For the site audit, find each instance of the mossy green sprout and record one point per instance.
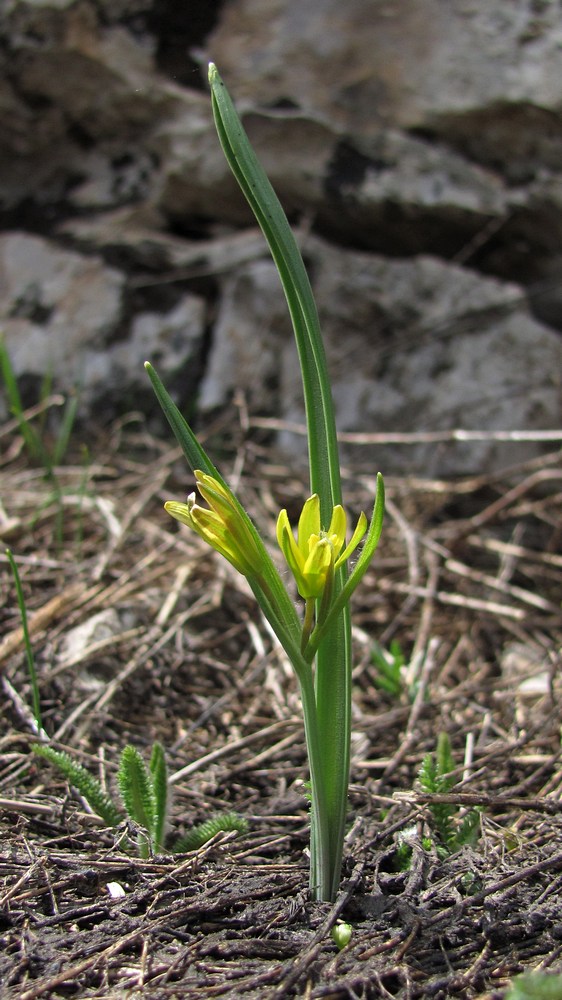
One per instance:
(390, 669)
(536, 986)
(81, 779)
(318, 642)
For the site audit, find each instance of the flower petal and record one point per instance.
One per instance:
(309, 522)
(360, 530)
(317, 567)
(338, 527)
(222, 525)
(181, 511)
(288, 545)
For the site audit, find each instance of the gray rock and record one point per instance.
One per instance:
(98, 77)
(58, 311)
(251, 334)
(171, 341)
(419, 142)
(61, 313)
(413, 345)
(402, 63)
(139, 236)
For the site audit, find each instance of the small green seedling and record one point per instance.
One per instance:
(389, 664)
(144, 792)
(83, 781)
(200, 834)
(341, 934)
(37, 448)
(402, 856)
(436, 779)
(48, 455)
(535, 986)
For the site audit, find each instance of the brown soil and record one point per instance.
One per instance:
(468, 579)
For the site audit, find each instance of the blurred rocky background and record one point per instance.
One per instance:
(416, 146)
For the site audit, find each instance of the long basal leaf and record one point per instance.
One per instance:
(322, 442)
(270, 591)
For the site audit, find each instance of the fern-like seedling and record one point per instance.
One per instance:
(436, 779)
(88, 786)
(144, 791)
(389, 663)
(199, 835)
(137, 792)
(145, 796)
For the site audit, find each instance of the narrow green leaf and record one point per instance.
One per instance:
(83, 781)
(322, 441)
(65, 430)
(269, 589)
(199, 835)
(196, 457)
(137, 792)
(31, 439)
(159, 774)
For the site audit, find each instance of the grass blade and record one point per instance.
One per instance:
(32, 672)
(322, 440)
(31, 439)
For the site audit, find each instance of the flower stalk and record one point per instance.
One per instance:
(220, 524)
(318, 643)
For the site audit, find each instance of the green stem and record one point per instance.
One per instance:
(333, 704)
(332, 689)
(308, 622)
(320, 855)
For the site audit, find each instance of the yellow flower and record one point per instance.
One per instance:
(221, 524)
(316, 553)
